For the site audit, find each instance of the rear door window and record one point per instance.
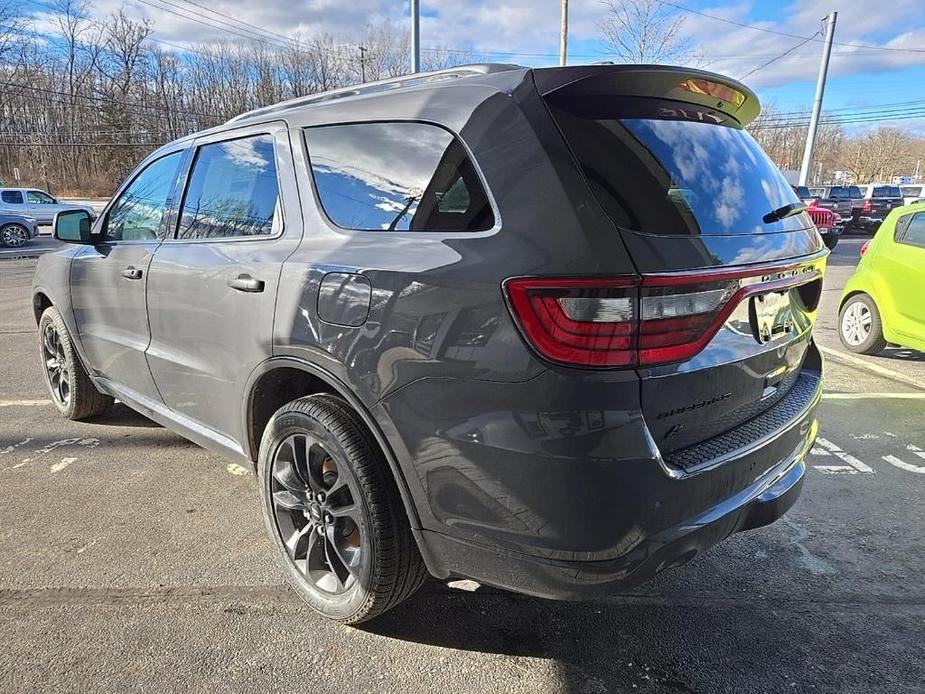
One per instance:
(670, 171)
(232, 191)
(397, 177)
(37, 197)
(11, 197)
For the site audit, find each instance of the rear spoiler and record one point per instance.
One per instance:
(687, 85)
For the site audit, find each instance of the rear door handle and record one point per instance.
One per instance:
(246, 283)
(132, 273)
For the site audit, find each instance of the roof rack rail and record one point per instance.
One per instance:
(378, 86)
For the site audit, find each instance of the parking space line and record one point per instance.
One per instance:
(24, 403)
(869, 366)
(873, 396)
(847, 457)
(902, 465)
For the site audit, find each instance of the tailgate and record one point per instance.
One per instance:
(730, 276)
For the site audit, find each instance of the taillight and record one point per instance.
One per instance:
(864, 247)
(867, 207)
(636, 321)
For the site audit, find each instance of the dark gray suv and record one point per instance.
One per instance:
(548, 329)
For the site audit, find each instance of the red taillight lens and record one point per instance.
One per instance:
(637, 321)
(867, 207)
(864, 247)
(621, 322)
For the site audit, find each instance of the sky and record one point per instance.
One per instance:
(527, 32)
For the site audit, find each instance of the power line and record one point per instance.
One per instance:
(784, 33)
(778, 57)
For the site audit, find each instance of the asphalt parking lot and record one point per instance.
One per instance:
(132, 560)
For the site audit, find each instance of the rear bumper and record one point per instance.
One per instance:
(756, 506)
(573, 499)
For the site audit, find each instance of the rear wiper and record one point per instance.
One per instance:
(784, 212)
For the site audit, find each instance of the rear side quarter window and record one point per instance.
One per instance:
(397, 176)
(913, 233)
(11, 197)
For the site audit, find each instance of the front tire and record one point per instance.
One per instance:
(333, 511)
(830, 242)
(14, 235)
(72, 392)
(860, 328)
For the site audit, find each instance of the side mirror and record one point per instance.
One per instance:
(72, 226)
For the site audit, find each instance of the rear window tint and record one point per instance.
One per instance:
(665, 175)
(397, 177)
(12, 197)
(886, 192)
(845, 192)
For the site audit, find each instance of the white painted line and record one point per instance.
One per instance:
(847, 457)
(908, 467)
(819, 451)
(870, 366)
(873, 396)
(58, 467)
(236, 469)
(24, 403)
(835, 469)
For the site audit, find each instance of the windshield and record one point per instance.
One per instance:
(667, 176)
(845, 192)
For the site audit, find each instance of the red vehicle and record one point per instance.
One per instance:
(828, 223)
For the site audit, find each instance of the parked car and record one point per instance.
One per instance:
(552, 356)
(16, 229)
(36, 203)
(882, 302)
(876, 203)
(912, 194)
(805, 195)
(841, 200)
(828, 224)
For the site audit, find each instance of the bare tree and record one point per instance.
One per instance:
(646, 31)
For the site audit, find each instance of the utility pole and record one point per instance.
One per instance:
(362, 63)
(820, 90)
(415, 36)
(563, 34)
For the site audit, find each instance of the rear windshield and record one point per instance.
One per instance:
(672, 171)
(886, 192)
(846, 192)
(802, 192)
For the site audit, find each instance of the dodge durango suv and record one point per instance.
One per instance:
(547, 329)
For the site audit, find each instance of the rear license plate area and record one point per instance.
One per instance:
(770, 315)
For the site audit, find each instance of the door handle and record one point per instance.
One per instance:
(132, 273)
(246, 283)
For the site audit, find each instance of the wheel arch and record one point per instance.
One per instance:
(40, 303)
(263, 399)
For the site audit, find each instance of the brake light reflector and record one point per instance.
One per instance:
(636, 321)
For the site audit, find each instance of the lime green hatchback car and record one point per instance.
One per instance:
(884, 301)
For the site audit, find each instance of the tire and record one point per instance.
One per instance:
(830, 242)
(317, 461)
(72, 392)
(860, 328)
(14, 235)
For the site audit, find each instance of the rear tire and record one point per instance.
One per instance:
(860, 328)
(72, 392)
(830, 242)
(333, 511)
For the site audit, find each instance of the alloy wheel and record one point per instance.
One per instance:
(317, 517)
(856, 323)
(57, 370)
(14, 236)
